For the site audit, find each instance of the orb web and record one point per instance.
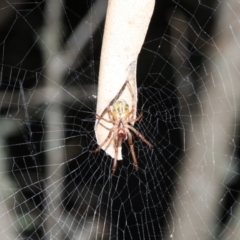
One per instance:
(53, 186)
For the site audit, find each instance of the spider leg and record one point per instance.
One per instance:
(106, 120)
(136, 119)
(139, 135)
(110, 114)
(130, 142)
(114, 167)
(107, 138)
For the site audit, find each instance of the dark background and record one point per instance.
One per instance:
(136, 204)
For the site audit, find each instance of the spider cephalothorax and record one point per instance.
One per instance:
(122, 118)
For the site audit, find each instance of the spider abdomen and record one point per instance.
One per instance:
(121, 134)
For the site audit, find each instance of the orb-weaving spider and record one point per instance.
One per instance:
(121, 118)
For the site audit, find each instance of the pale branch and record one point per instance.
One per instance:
(125, 30)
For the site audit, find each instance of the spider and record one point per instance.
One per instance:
(121, 117)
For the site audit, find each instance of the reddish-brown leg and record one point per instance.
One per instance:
(139, 135)
(136, 119)
(107, 138)
(106, 120)
(114, 167)
(130, 142)
(110, 114)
